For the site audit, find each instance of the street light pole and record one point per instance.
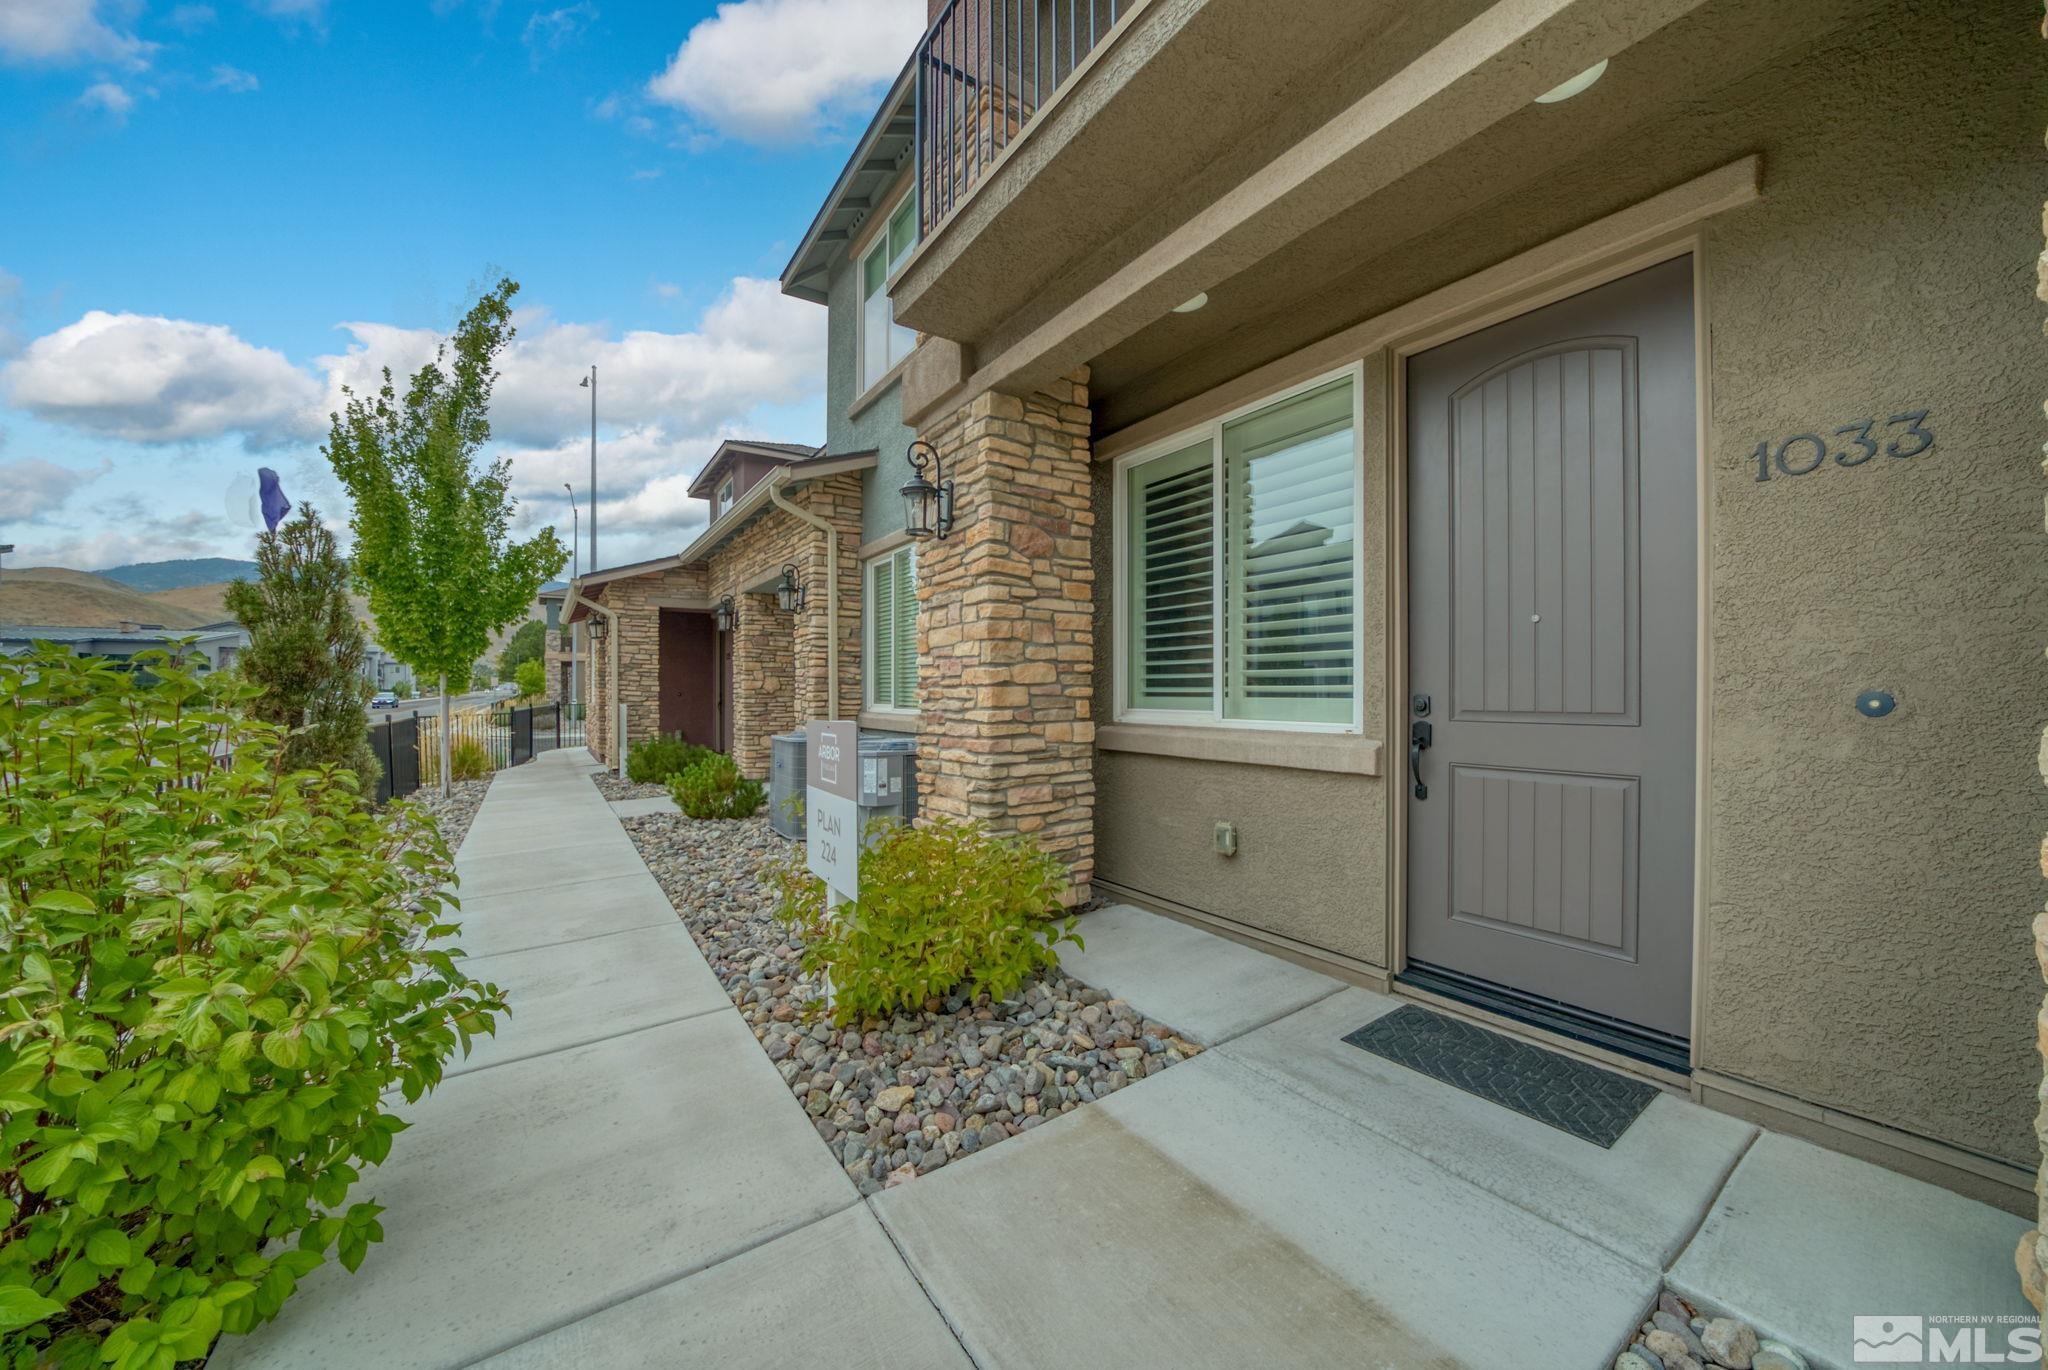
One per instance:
(589, 382)
(575, 662)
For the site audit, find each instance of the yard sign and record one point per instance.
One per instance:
(831, 807)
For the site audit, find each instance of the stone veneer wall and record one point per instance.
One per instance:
(779, 660)
(637, 605)
(1006, 627)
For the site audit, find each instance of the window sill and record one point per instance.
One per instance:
(887, 721)
(881, 387)
(1331, 752)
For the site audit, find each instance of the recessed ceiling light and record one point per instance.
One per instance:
(1578, 85)
(1190, 306)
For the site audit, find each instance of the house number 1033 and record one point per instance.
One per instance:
(1902, 435)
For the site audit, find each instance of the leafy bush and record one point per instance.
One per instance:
(657, 760)
(531, 678)
(712, 787)
(940, 906)
(216, 969)
(469, 759)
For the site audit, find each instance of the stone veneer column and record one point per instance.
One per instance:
(1006, 625)
(764, 696)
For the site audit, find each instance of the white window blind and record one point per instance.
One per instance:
(1288, 476)
(892, 631)
(1172, 601)
(1247, 540)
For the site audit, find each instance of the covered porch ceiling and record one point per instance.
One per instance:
(1386, 125)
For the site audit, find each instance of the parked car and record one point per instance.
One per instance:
(384, 699)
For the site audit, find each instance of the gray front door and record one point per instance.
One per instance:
(1552, 515)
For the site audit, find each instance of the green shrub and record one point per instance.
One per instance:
(712, 787)
(657, 760)
(469, 759)
(215, 973)
(532, 679)
(940, 907)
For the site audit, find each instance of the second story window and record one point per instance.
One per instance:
(883, 341)
(724, 496)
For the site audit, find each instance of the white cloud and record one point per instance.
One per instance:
(307, 11)
(777, 71)
(151, 379)
(232, 79)
(132, 533)
(753, 346)
(551, 30)
(108, 98)
(62, 32)
(31, 488)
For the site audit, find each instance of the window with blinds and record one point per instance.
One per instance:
(891, 602)
(1172, 596)
(1239, 560)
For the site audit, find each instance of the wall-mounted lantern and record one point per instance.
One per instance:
(600, 627)
(789, 591)
(725, 615)
(927, 504)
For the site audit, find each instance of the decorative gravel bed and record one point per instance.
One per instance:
(615, 789)
(897, 1098)
(1676, 1337)
(455, 813)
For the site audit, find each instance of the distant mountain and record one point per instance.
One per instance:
(54, 597)
(176, 575)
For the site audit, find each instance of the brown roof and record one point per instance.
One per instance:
(721, 460)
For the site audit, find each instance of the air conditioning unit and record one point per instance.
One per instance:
(887, 780)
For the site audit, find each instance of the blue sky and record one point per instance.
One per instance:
(211, 215)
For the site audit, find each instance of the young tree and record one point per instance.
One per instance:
(432, 551)
(306, 649)
(532, 679)
(527, 643)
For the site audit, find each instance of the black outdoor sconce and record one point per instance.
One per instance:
(927, 504)
(789, 592)
(725, 614)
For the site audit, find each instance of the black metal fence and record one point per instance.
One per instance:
(984, 69)
(480, 741)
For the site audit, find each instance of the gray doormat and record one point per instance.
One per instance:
(1592, 1104)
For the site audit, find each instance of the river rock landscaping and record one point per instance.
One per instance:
(454, 814)
(1676, 1337)
(893, 1098)
(615, 789)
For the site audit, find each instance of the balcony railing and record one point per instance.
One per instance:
(984, 69)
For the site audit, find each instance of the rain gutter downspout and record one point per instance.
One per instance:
(775, 496)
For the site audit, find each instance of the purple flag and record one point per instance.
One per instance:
(275, 505)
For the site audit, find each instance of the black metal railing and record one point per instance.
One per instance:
(481, 740)
(984, 69)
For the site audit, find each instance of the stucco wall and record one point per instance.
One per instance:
(1311, 858)
(1870, 880)
(879, 425)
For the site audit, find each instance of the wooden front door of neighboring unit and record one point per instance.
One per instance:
(688, 674)
(1552, 535)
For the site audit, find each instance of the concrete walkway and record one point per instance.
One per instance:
(622, 1180)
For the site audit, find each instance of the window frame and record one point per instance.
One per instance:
(869, 624)
(1121, 710)
(863, 383)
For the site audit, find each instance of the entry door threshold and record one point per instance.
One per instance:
(1663, 1050)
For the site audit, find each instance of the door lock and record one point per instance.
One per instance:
(1421, 735)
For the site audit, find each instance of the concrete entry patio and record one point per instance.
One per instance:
(621, 1179)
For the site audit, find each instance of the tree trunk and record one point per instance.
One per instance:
(447, 743)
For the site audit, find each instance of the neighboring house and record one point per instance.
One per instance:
(1553, 538)
(214, 646)
(385, 671)
(700, 643)
(560, 654)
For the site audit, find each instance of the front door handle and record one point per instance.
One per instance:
(1420, 735)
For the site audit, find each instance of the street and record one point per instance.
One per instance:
(431, 704)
